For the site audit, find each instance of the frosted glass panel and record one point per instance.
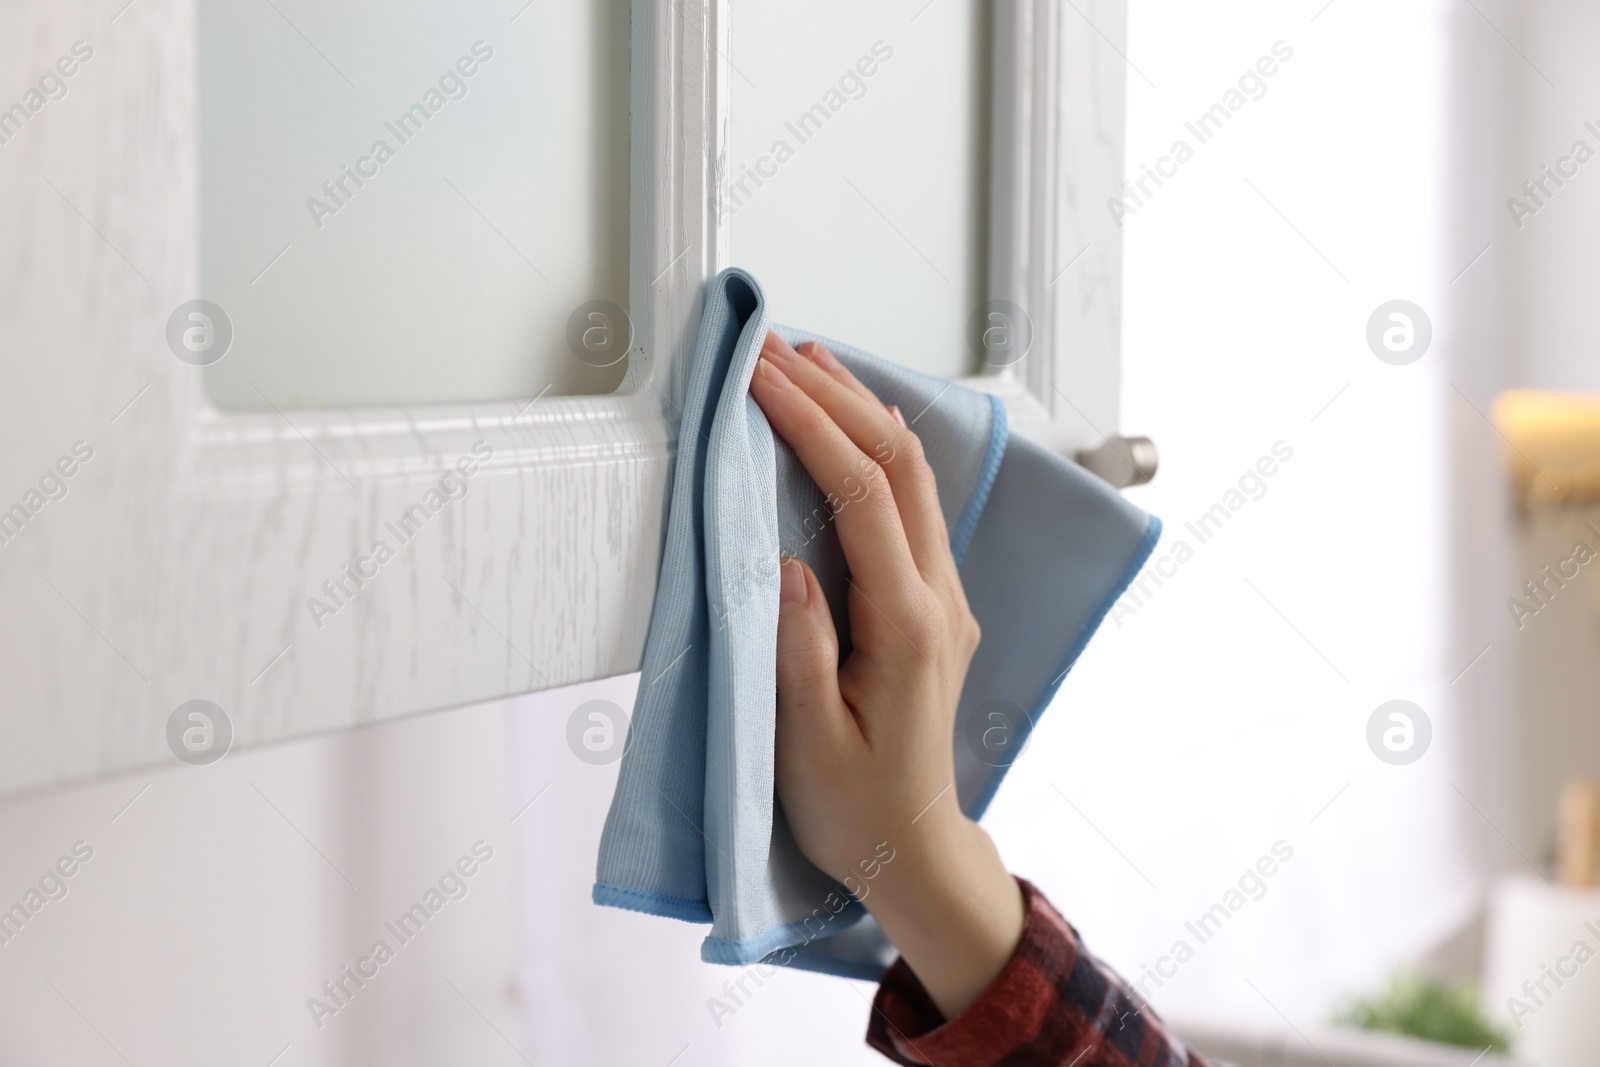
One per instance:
(405, 202)
(858, 181)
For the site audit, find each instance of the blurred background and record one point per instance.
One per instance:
(1398, 152)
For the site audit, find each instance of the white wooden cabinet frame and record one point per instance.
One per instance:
(184, 567)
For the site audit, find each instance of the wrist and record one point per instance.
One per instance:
(951, 908)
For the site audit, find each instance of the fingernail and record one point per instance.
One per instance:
(777, 349)
(894, 409)
(820, 356)
(770, 372)
(792, 593)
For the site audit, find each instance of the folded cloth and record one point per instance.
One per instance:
(695, 831)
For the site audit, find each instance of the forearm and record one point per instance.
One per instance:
(951, 909)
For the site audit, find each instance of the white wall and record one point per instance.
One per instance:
(1555, 318)
(1555, 91)
(1228, 710)
(207, 917)
(220, 901)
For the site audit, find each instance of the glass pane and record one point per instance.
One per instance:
(406, 202)
(859, 172)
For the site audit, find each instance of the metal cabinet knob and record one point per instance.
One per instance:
(1122, 461)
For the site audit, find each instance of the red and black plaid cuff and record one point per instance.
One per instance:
(1053, 1005)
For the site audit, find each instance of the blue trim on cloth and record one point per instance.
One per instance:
(793, 935)
(999, 435)
(1136, 562)
(616, 896)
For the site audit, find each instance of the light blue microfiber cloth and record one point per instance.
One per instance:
(695, 831)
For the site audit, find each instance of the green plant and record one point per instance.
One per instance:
(1422, 1006)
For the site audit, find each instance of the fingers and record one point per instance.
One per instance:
(818, 354)
(812, 717)
(881, 434)
(870, 530)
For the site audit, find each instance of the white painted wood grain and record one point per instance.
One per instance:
(1056, 151)
(180, 562)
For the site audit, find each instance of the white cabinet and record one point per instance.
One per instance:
(323, 549)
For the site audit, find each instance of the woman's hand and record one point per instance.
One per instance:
(865, 766)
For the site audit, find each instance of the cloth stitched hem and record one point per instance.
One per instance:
(999, 435)
(792, 935)
(1141, 553)
(617, 896)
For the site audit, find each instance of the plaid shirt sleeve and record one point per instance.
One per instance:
(1054, 1005)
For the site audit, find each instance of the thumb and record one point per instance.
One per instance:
(808, 654)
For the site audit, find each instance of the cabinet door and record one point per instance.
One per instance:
(286, 456)
(930, 181)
